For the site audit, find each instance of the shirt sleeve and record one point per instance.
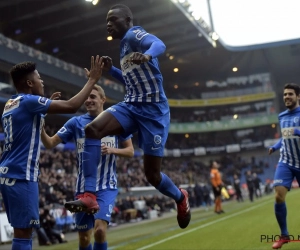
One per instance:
(37, 104)
(67, 132)
(117, 74)
(277, 145)
(125, 137)
(153, 46)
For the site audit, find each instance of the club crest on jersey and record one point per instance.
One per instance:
(157, 139)
(296, 119)
(124, 49)
(43, 100)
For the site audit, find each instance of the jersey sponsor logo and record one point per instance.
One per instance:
(126, 65)
(277, 181)
(109, 141)
(80, 145)
(157, 139)
(7, 181)
(43, 100)
(288, 133)
(12, 104)
(139, 34)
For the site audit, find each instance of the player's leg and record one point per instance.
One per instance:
(24, 194)
(106, 199)
(217, 195)
(153, 132)
(282, 182)
(84, 224)
(107, 123)
(85, 239)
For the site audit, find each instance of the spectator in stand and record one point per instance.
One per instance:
(237, 188)
(257, 182)
(47, 222)
(198, 195)
(250, 184)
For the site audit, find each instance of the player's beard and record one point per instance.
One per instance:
(292, 105)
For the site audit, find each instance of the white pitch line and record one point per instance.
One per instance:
(204, 225)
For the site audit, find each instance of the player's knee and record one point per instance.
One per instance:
(153, 179)
(84, 240)
(279, 196)
(100, 234)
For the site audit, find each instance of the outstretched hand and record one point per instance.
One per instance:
(96, 68)
(107, 63)
(139, 58)
(271, 151)
(55, 96)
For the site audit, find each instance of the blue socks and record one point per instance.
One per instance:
(89, 247)
(168, 188)
(24, 244)
(281, 213)
(90, 160)
(100, 246)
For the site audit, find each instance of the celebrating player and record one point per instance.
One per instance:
(145, 109)
(289, 161)
(106, 190)
(22, 121)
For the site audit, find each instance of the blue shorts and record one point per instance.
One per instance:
(21, 201)
(150, 120)
(106, 200)
(285, 174)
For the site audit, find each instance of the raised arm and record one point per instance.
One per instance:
(275, 147)
(73, 104)
(50, 142)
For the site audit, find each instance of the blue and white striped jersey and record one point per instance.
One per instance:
(22, 121)
(73, 129)
(290, 144)
(144, 82)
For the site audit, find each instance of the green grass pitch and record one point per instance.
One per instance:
(240, 228)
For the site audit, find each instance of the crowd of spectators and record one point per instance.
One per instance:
(221, 138)
(233, 86)
(222, 112)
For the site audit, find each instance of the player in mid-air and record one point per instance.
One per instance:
(22, 121)
(289, 162)
(145, 109)
(106, 178)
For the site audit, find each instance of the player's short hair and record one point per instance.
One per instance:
(100, 91)
(125, 10)
(293, 86)
(20, 71)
